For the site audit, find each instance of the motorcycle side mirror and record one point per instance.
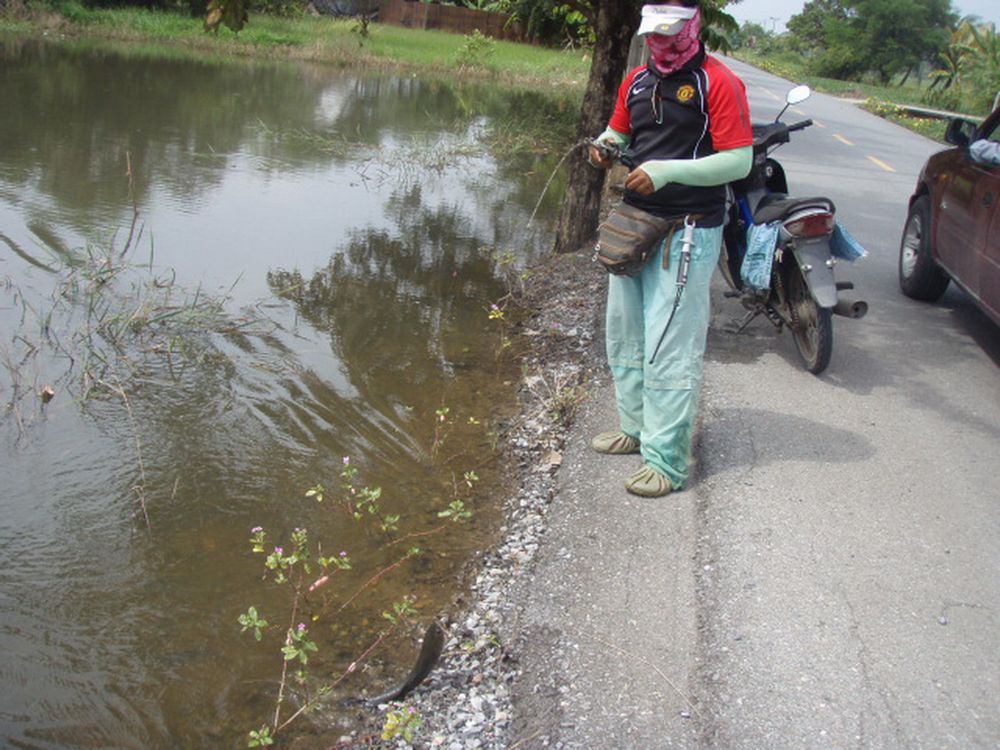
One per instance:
(794, 96)
(798, 94)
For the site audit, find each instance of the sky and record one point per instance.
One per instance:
(774, 13)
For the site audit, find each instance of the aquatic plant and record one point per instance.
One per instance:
(109, 320)
(299, 566)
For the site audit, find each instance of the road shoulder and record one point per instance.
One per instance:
(606, 630)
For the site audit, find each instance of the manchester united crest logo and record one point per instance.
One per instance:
(685, 93)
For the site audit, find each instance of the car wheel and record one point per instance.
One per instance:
(919, 276)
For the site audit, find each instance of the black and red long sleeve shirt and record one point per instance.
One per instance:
(694, 112)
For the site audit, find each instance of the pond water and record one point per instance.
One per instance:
(233, 276)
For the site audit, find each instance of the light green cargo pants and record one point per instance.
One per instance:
(658, 403)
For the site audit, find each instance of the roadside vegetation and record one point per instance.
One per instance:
(895, 59)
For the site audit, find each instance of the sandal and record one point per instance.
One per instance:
(616, 443)
(648, 482)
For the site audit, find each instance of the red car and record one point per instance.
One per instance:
(952, 232)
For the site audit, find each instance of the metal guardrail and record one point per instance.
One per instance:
(940, 114)
(913, 109)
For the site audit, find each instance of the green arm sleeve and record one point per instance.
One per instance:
(717, 169)
(610, 134)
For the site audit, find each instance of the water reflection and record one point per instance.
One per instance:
(359, 215)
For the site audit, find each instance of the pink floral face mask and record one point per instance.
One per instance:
(669, 53)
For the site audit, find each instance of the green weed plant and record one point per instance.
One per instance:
(299, 567)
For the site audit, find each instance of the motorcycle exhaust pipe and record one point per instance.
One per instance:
(851, 308)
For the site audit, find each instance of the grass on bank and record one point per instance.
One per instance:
(315, 38)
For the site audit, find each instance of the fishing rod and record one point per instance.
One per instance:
(609, 150)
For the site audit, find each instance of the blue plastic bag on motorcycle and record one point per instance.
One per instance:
(756, 268)
(762, 240)
(843, 245)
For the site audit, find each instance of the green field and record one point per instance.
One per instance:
(318, 39)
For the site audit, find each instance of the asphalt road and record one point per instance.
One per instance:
(849, 548)
(832, 578)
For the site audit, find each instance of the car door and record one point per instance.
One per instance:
(989, 277)
(968, 205)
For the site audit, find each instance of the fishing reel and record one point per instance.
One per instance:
(614, 152)
(607, 149)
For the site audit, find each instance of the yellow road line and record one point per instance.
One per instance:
(818, 124)
(772, 95)
(878, 162)
(798, 111)
(843, 140)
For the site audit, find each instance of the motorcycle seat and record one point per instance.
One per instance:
(778, 206)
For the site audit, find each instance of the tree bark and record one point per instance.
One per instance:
(616, 23)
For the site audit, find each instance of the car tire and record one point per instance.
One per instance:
(919, 276)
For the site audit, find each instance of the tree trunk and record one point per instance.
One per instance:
(616, 22)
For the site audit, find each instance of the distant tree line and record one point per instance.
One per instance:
(849, 38)
(957, 60)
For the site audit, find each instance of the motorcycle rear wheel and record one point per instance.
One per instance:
(813, 331)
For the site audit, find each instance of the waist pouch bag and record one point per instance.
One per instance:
(628, 237)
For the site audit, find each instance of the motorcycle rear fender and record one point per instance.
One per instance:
(814, 254)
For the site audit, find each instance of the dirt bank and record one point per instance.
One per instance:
(467, 702)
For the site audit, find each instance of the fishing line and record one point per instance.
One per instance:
(574, 147)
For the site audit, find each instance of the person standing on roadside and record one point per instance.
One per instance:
(684, 120)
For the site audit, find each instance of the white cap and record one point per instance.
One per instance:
(664, 19)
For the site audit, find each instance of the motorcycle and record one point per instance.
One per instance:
(793, 244)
